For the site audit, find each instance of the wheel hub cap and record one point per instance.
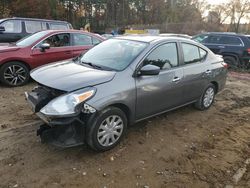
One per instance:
(110, 130)
(15, 74)
(208, 97)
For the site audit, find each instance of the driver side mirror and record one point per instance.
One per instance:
(44, 46)
(149, 70)
(2, 28)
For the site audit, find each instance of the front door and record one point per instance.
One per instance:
(60, 49)
(164, 91)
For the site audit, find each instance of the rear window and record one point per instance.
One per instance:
(231, 40)
(58, 26)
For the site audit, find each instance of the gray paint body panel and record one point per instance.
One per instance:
(144, 96)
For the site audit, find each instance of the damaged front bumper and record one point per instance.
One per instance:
(67, 135)
(60, 131)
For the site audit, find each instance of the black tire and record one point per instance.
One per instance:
(231, 61)
(94, 127)
(200, 104)
(14, 74)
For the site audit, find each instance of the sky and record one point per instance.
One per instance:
(216, 2)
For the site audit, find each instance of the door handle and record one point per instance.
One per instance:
(68, 52)
(221, 46)
(208, 72)
(176, 79)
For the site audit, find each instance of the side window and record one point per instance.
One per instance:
(231, 41)
(34, 26)
(164, 56)
(214, 39)
(58, 26)
(59, 40)
(95, 41)
(44, 26)
(81, 40)
(12, 26)
(191, 53)
(203, 53)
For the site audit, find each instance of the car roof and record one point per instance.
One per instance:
(35, 19)
(150, 39)
(140, 38)
(224, 33)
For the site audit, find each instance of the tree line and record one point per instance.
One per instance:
(103, 14)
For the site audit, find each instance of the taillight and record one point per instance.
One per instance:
(248, 50)
(225, 65)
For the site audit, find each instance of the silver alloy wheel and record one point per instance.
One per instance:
(110, 130)
(208, 97)
(15, 74)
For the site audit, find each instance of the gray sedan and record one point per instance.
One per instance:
(93, 98)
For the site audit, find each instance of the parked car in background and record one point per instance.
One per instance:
(16, 60)
(120, 82)
(107, 36)
(235, 48)
(14, 29)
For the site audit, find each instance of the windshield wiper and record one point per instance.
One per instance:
(92, 65)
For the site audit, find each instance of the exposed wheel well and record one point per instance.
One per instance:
(216, 85)
(125, 109)
(235, 56)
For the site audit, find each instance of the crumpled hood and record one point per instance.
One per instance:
(8, 48)
(69, 76)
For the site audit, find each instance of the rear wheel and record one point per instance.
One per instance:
(14, 74)
(107, 129)
(231, 61)
(207, 99)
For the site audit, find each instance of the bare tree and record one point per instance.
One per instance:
(239, 10)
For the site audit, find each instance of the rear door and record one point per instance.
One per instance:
(196, 71)
(60, 49)
(13, 31)
(164, 91)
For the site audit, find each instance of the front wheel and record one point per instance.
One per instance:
(206, 99)
(107, 129)
(14, 74)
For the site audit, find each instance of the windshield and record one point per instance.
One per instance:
(30, 39)
(115, 54)
(200, 38)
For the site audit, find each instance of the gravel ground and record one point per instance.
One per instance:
(183, 148)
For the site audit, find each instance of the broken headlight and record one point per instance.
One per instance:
(66, 104)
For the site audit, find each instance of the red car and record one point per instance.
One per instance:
(16, 60)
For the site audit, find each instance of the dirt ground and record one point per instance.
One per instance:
(183, 148)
